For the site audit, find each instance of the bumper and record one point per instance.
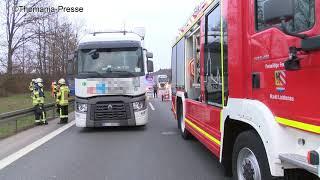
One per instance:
(295, 155)
(80, 119)
(135, 118)
(301, 162)
(141, 118)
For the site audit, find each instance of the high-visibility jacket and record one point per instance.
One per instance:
(63, 95)
(53, 89)
(38, 96)
(56, 96)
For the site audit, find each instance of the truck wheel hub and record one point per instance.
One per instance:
(248, 171)
(248, 166)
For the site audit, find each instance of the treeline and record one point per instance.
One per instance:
(34, 43)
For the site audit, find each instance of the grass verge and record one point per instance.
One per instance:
(20, 101)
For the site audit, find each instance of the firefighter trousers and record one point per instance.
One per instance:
(58, 108)
(40, 114)
(63, 114)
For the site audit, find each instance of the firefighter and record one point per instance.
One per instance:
(54, 89)
(38, 102)
(56, 99)
(31, 86)
(155, 91)
(62, 100)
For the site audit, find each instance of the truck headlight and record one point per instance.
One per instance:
(83, 108)
(139, 105)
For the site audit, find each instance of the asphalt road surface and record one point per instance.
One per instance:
(156, 152)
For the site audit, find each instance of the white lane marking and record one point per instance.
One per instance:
(151, 106)
(15, 156)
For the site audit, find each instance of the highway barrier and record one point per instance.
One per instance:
(19, 120)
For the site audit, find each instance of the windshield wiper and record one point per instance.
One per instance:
(93, 72)
(117, 71)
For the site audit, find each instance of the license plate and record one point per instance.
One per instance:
(111, 124)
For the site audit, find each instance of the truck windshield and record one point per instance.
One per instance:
(111, 61)
(163, 80)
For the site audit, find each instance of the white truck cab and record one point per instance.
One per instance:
(109, 81)
(163, 81)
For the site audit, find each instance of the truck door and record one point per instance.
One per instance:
(215, 69)
(292, 95)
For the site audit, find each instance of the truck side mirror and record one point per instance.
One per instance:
(311, 44)
(150, 66)
(149, 55)
(75, 55)
(276, 11)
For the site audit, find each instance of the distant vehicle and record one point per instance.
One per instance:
(162, 81)
(149, 85)
(245, 83)
(110, 79)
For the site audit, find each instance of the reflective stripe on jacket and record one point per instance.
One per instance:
(38, 97)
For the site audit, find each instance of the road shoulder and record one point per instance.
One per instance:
(18, 141)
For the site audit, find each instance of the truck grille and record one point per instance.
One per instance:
(111, 111)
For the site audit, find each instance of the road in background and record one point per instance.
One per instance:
(154, 152)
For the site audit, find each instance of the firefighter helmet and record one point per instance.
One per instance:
(39, 80)
(62, 81)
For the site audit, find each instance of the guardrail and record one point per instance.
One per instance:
(12, 118)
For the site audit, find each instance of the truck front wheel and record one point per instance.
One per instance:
(249, 159)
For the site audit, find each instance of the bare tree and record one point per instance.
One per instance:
(16, 20)
(34, 42)
(55, 40)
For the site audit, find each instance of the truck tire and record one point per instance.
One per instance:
(178, 117)
(182, 126)
(249, 158)
(143, 127)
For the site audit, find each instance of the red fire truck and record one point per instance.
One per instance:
(246, 84)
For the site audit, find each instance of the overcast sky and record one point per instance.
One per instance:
(161, 18)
